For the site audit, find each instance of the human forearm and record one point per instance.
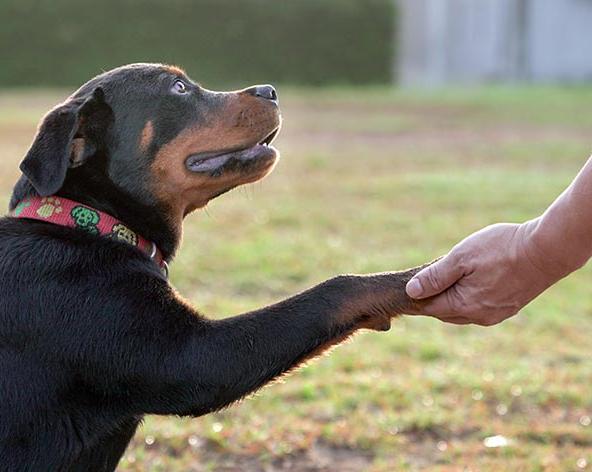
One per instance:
(560, 241)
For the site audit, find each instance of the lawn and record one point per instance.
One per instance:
(374, 180)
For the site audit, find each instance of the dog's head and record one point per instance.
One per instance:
(146, 133)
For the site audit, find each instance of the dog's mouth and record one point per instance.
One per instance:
(214, 163)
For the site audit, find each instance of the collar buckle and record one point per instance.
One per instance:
(164, 267)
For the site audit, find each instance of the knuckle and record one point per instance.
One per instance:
(462, 260)
(456, 254)
(432, 278)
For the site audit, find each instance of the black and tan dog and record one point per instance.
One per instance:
(92, 336)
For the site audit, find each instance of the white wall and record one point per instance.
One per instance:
(469, 41)
(560, 40)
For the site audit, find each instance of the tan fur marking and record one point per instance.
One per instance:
(242, 121)
(373, 309)
(174, 70)
(146, 136)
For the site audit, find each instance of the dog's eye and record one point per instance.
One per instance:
(179, 86)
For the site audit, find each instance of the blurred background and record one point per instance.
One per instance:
(407, 125)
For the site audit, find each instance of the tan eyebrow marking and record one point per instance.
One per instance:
(174, 70)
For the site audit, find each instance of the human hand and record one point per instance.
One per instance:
(486, 278)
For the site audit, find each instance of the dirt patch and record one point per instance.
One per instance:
(322, 457)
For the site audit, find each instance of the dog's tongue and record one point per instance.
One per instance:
(208, 164)
(211, 162)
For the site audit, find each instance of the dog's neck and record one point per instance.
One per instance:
(148, 221)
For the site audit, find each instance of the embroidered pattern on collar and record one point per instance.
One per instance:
(64, 212)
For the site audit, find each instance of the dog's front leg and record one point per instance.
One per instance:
(224, 360)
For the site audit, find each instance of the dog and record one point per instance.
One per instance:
(92, 335)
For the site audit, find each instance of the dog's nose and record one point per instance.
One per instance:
(263, 91)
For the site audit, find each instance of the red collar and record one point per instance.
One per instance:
(64, 212)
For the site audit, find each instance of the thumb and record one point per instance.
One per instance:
(435, 278)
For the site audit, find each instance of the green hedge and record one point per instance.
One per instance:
(219, 42)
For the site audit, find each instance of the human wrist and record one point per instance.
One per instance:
(555, 243)
(560, 241)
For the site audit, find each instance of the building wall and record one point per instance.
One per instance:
(560, 40)
(471, 41)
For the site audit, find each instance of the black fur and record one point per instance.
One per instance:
(92, 336)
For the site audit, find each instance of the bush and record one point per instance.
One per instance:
(219, 42)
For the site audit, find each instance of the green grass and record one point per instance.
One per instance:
(372, 180)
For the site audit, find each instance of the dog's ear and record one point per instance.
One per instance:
(68, 135)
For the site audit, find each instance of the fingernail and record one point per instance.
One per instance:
(414, 288)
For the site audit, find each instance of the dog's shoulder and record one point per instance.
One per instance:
(51, 274)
